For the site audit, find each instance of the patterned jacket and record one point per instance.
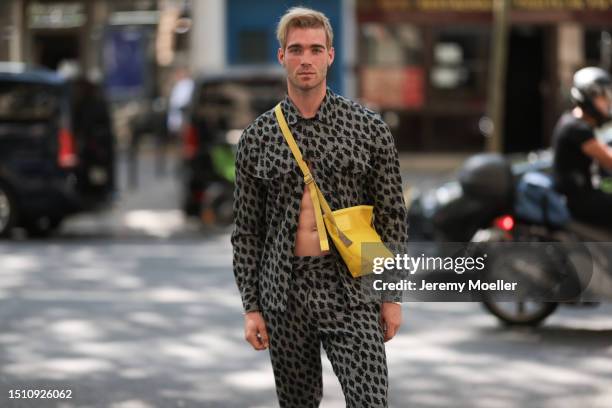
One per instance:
(354, 162)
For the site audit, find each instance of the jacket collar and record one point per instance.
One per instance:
(324, 113)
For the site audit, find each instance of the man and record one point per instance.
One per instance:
(179, 98)
(296, 296)
(576, 148)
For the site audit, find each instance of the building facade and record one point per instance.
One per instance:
(127, 44)
(426, 63)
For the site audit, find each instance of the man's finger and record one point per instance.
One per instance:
(257, 344)
(254, 341)
(263, 335)
(251, 338)
(391, 331)
(388, 336)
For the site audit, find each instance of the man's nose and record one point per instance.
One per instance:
(306, 58)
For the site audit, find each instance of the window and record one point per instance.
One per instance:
(28, 101)
(391, 45)
(598, 47)
(460, 62)
(392, 59)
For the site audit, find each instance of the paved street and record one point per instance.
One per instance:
(137, 308)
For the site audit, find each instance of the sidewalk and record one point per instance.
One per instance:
(151, 209)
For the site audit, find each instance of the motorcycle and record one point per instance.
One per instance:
(481, 207)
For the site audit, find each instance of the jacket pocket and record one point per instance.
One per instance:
(275, 168)
(347, 173)
(355, 165)
(346, 155)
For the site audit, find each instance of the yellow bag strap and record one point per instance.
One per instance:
(308, 179)
(318, 200)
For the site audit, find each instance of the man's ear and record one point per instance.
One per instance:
(331, 53)
(280, 55)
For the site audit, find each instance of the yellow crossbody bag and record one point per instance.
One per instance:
(349, 228)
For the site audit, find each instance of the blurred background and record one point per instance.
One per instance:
(427, 63)
(118, 126)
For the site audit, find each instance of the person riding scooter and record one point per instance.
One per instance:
(576, 148)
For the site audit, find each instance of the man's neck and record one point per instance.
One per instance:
(307, 102)
(580, 114)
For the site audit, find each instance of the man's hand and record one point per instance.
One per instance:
(390, 319)
(255, 330)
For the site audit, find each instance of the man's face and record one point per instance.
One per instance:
(603, 103)
(306, 57)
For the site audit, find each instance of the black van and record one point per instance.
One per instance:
(222, 105)
(41, 163)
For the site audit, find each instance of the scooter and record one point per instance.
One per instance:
(480, 207)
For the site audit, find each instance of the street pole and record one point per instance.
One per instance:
(15, 51)
(497, 74)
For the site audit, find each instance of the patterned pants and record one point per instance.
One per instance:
(317, 313)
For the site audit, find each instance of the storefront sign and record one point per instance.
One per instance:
(124, 62)
(56, 15)
(395, 88)
(393, 6)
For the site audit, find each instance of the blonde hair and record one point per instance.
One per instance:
(302, 17)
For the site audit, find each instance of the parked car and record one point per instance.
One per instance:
(221, 107)
(95, 142)
(46, 171)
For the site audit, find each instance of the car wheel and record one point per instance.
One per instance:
(8, 211)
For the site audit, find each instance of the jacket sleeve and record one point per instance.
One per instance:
(249, 218)
(390, 213)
